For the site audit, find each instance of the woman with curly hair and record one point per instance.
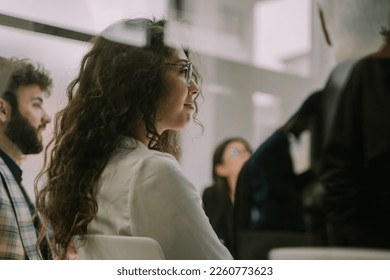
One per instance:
(111, 168)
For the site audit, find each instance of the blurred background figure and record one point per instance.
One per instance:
(218, 199)
(352, 29)
(357, 153)
(277, 198)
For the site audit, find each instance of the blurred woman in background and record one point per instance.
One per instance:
(218, 199)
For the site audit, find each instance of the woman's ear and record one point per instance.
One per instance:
(323, 25)
(220, 170)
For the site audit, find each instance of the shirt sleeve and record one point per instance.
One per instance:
(165, 206)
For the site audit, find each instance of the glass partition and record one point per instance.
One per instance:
(242, 47)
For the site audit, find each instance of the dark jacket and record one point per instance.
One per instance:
(219, 210)
(356, 162)
(269, 195)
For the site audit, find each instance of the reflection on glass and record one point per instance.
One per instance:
(127, 33)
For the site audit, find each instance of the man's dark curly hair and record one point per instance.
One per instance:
(15, 73)
(117, 86)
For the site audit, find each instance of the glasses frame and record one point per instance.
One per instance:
(187, 67)
(234, 152)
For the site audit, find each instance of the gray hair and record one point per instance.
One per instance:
(354, 25)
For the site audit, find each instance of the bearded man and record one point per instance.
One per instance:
(23, 118)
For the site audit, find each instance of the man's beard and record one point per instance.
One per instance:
(23, 134)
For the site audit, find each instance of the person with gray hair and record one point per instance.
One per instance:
(356, 156)
(352, 26)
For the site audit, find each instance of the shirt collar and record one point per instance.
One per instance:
(13, 167)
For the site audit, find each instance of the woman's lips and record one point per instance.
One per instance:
(190, 105)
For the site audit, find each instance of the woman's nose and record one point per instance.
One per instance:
(193, 88)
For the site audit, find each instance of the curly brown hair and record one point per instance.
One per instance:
(117, 86)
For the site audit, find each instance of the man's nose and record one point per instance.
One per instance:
(46, 118)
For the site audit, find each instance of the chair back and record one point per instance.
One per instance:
(110, 247)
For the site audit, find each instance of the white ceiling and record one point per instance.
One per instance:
(89, 16)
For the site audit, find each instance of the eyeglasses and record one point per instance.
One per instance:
(187, 68)
(234, 152)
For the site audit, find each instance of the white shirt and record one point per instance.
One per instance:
(145, 193)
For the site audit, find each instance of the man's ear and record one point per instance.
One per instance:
(323, 25)
(220, 170)
(4, 110)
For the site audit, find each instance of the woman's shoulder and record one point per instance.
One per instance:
(131, 150)
(132, 156)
